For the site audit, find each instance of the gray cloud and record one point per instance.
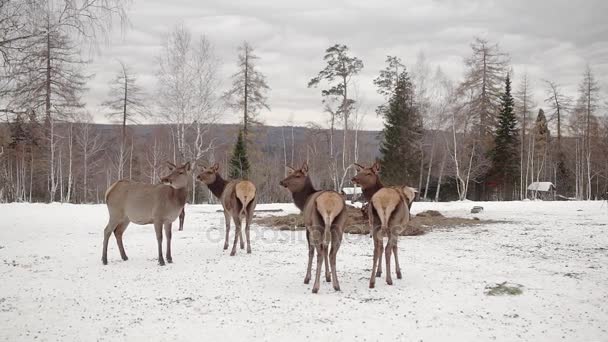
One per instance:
(546, 39)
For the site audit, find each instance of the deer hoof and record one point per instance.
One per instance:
(248, 250)
(378, 274)
(104, 261)
(181, 229)
(233, 253)
(161, 262)
(372, 285)
(337, 287)
(399, 275)
(125, 258)
(225, 247)
(328, 279)
(315, 290)
(389, 281)
(306, 280)
(169, 260)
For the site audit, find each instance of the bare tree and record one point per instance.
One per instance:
(189, 93)
(126, 103)
(484, 77)
(523, 106)
(48, 77)
(440, 97)
(188, 86)
(588, 103)
(90, 145)
(249, 88)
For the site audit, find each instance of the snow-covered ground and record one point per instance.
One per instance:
(54, 287)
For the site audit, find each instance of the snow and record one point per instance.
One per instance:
(352, 190)
(541, 186)
(54, 286)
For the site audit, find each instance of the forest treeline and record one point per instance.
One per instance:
(481, 137)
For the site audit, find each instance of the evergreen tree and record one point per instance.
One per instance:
(239, 164)
(504, 155)
(400, 152)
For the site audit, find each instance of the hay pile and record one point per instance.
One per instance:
(357, 224)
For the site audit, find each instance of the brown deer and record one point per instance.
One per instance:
(238, 197)
(389, 213)
(158, 204)
(324, 214)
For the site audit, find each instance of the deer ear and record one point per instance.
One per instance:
(171, 165)
(376, 167)
(358, 167)
(289, 169)
(216, 167)
(305, 167)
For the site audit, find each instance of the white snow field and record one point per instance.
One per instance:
(54, 287)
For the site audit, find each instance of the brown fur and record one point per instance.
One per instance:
(389, 213)
(238, 198)
(324, 214)
(158, 204)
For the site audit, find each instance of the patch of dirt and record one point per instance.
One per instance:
(358, 224)
(504, 289)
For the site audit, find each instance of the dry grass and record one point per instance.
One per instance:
(357, 224)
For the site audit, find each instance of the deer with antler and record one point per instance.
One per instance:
(158, 204)
(324, 214)
(238, 198)
(389, 213)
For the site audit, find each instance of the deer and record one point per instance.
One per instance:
(324, 213)
(388, 212)
(238, 198)
(140, 203)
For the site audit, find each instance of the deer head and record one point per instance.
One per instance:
(178, 178)
(366, 176)
(296, 179)
(208, 174)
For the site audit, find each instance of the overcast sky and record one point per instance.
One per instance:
(548, 39)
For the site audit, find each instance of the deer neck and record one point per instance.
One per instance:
(217, 187)
(179, 195)
(370, 191)
(300, 197)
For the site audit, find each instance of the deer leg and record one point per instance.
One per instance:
(379, 271)
(237, 227)
(227, 218)
(182, 216)
(387, 252)
(372, 214)
(397, 267)
(120, 229)
(336, 240)
(247, 223)
(106, 237)
(320, 257)
(327, 266)
(311, 254)
(242, 242)
(158, 228)
(377, 248)
(168, 234)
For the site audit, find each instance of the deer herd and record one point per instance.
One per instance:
(324, 213)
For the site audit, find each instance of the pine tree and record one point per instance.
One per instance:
(402, 129)
(239, 164)
(504, 155)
